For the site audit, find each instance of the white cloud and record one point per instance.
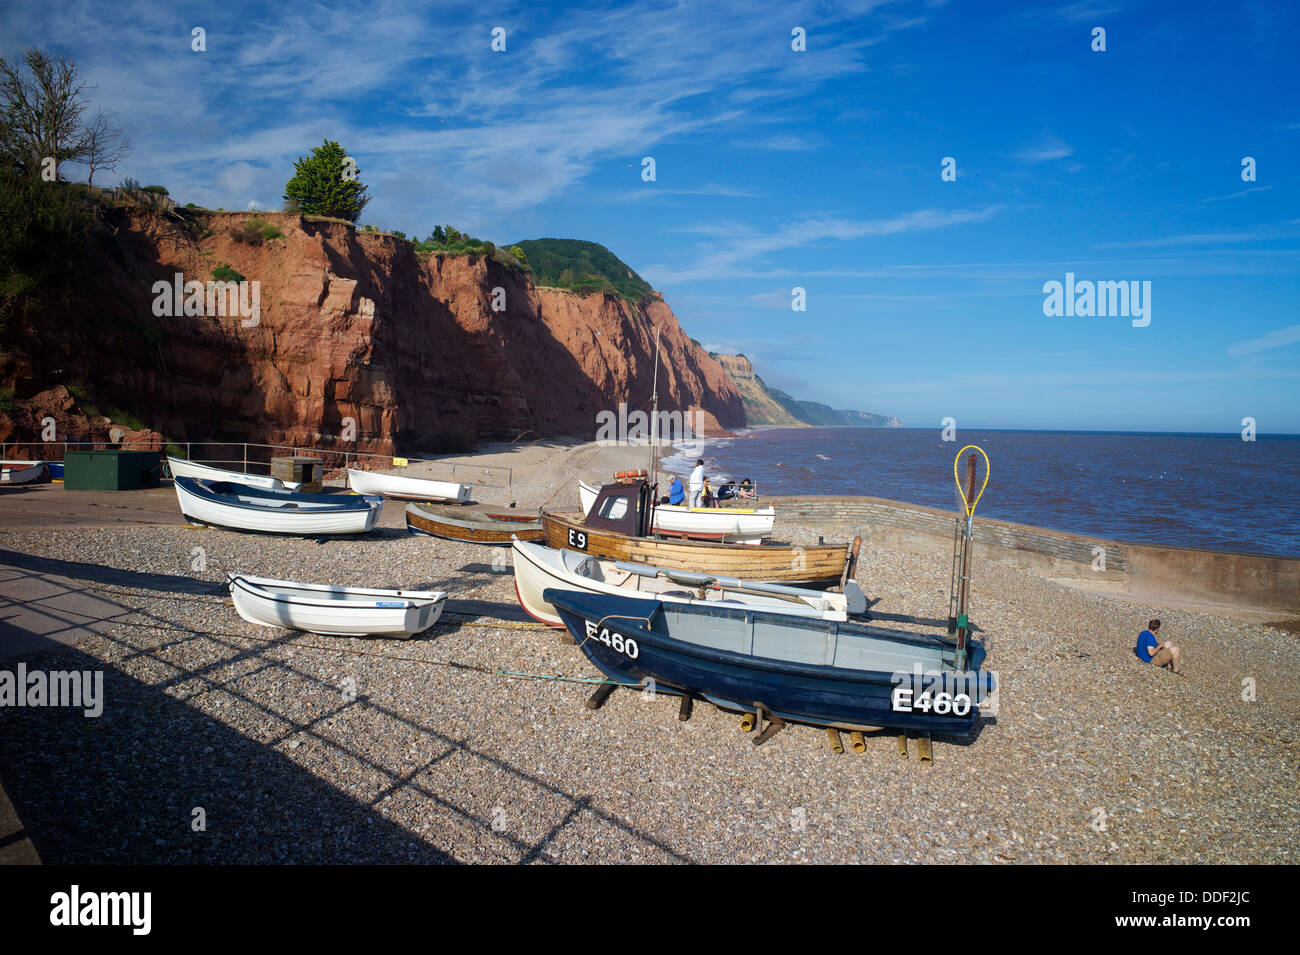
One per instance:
(742, 249)
(490, 135)
(1236, 195)
(1047, 149)
(1278, 338)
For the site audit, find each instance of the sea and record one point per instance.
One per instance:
(1184, 490)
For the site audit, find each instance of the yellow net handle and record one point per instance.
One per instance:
(956, 462)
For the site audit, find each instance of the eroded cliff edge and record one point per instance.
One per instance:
(351, 325)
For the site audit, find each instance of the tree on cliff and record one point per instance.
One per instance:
(327, 183)
(41, 107)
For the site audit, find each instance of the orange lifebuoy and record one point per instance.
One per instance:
(626, 475)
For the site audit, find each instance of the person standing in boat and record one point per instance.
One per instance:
(697, 482)
(1149, 649)
(676, 493)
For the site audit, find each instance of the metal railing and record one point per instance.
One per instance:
(245, 454)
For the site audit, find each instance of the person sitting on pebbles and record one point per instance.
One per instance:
(1150, 650)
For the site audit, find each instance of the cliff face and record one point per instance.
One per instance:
(760, 406)
(764, 405)
(351, 326)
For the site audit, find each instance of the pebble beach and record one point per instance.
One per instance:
(472, 743)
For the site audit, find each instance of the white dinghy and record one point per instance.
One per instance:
(206, 472)
(538, 567)
(734, 525)
(244, 508)
(405, 488)
(335, 611)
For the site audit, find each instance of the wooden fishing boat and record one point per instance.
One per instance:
(180, 467)
(335, 611)
(240, 507)
(617, 527)
(21, 472)
(843, 675)
(538, 568)
(737, 525)
(406, 488)
(473, 523)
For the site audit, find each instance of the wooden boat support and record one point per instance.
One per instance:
(684, 710)
(833, 737)
(774, 726)
(850, 565)
(603, 693)
(923, 748)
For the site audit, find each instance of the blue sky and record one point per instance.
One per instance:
(775, 169)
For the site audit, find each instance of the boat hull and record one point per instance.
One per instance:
(823, 695)
(22, 472)
(405, 488)
(735, 525)
(538, 568)
(242, 508)
(179, 467)
(817, 565)
(471, 525)
(334, 611)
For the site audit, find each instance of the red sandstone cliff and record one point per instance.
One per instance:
(351, 326)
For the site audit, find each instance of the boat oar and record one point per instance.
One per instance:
(687, 579)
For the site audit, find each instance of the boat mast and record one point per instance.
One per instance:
(654, 417)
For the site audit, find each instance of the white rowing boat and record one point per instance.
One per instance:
(21, 472)
(538, 567)
(735, 525)
(335, 611)
(406, 488)
(244, 508)
(206, 472)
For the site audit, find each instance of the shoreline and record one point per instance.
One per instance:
(472, 742)
(1133, 506)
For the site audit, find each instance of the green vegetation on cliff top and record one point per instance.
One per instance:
(584, 267)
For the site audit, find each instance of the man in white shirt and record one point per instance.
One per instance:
(697, 483)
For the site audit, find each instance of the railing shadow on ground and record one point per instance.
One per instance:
(98, 573)
(121, 788)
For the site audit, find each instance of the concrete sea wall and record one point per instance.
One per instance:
(1257, 581)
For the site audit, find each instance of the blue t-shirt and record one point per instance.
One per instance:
(676, 493)
(1147, 645)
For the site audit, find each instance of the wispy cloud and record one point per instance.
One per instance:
(1047, 149)
(650, 190)
(747, 248)
(437, 121)
(1235, 195)
(1256, 234)
(785, 143)
(1081, 12)
(1279, 338)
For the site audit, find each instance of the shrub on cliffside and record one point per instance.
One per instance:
(583, 267)
(43, 231)
(323, 184)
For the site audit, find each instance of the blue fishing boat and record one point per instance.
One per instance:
(804, 669)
